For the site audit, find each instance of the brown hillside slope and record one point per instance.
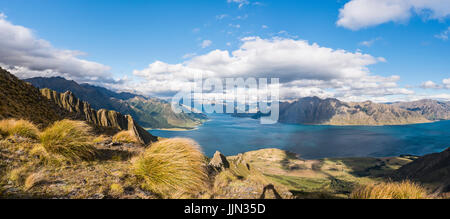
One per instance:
(313, 110)
(432, 169)
(21, 100)
(431, 109)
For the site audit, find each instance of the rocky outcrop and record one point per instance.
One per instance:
(313, 110)
(101, 118)
(219, 162)
(430, 109)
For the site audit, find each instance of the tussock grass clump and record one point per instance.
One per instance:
(173, 168)
(116, 189)
(19, 174)
(23, 128)
(69, 139)
(390, 190)
(125, 137)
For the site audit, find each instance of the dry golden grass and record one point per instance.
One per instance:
(390, 190)
(100, 139)
(33, 179)
(70, 139)
(174, 168)
(18, 175)
(23, 128)
(125, 137)
(116, 189)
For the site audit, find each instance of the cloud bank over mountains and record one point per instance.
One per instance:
(304, 69)
(25, 55)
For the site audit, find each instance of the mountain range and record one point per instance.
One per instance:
(149, 112)
(430, 109)
(313, 110)
(157, 113)
(331, 111)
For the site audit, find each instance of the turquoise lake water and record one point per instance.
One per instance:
(231, 136)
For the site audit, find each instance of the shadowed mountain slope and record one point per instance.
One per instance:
(431, 169)
(21, 100)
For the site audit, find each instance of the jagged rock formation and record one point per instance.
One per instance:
(102, 118)
(148, 112)
(431, 169)
(219, 162)
(430, 109)
(313, 110)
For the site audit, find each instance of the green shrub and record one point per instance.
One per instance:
(21, 128)
(173, 168)
(69, 139)
(391, 190)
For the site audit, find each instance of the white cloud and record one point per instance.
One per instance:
(206, 43)
(446, 83)
(25, 55)
(369, 43)
(235, 26)
(304, 69)
(264, 26)
(189, 55)
(432, 85)
(443, 35)
(242, 17)
(358, 14)
(240, 3)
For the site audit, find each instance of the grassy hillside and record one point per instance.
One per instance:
(22, 100)
(325, 178)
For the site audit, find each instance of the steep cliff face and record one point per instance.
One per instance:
(102, 118)
(431, 109)
(313, 110)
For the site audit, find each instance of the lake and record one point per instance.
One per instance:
(231, 135)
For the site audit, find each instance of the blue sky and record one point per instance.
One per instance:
(128, 36)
